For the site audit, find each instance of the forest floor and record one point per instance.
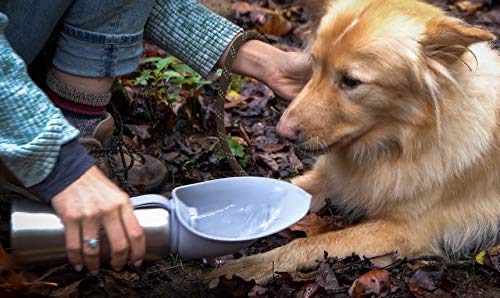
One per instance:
(180, 130)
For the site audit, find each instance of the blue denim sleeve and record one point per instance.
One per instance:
(191, 32)
(32, 130)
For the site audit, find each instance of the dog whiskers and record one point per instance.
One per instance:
(315, 145)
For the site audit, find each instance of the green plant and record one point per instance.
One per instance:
(237, 149)
(236, 80)
(168, 79)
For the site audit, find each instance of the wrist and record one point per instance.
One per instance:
(73, 161)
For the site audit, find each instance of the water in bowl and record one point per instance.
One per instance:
(234, 221)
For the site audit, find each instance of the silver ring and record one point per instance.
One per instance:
(92, 242)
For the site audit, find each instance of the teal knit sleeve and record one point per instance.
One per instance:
(32, 130)
(191, 32)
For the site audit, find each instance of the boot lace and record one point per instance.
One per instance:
(119, 148)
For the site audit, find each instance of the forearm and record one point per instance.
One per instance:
(255, 59)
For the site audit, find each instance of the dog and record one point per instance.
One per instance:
(403, 111)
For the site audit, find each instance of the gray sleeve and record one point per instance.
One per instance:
(191, 32)
(32, 130)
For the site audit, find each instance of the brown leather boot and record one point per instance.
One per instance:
(121, 162)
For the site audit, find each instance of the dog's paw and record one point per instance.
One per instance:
(260, 269)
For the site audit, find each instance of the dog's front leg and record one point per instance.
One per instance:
(371, 238)
(315, 182)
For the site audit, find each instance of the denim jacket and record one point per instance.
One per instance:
(32, 130)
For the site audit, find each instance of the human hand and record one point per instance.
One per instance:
(89, 203)
(286, 73)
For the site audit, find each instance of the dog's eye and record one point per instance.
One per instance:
(349, 82)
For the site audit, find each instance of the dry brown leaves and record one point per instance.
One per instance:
(313, 225)
(429, 280)
(268, 21)
(375, 282)
(14, 283)
(490, 257)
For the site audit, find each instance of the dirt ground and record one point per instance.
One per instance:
(180, 130)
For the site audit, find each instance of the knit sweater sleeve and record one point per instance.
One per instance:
(191, 32)
(32, 130)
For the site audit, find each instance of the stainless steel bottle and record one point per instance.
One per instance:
(37, 233)
(174, 226)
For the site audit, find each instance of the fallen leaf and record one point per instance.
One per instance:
(233, 99)
(68, 291)
(275, 24)
(244, 8)
(295, 162)
(240, 140)
(234, 287)
(125, 275)
(257, 291)
(494, 257)
(325, 277)
(269, 161)
(490, 257)
(171, 156)
(270, 148)
(142, 131)
(428, 279)
(11, 283)
(313, 225)
(113, 289)
(307, 291)
(377, 282)
(285, 291)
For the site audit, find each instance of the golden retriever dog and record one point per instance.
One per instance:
(403, 110)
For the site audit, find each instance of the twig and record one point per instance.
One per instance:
(165, 269)
(391, 253)
(45, 283)
(365, 259)
(245, 135)
(448, 263)
(395, 264)
(50, 272)
(461, 264)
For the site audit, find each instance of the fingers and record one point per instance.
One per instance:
(73, 244)
(91, 247)
(135, 235)
(89, 203)
(117, 239)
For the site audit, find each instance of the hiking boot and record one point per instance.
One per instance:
(121, 162)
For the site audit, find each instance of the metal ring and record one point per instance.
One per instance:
(92, 242)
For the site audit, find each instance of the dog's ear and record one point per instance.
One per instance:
(447, 39)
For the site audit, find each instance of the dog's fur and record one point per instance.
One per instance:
(414, 147)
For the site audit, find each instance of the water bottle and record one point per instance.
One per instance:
(38, 235)
(197, 222)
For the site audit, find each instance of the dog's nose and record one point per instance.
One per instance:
(290, 133)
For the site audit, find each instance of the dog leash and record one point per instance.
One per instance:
(225, 83)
